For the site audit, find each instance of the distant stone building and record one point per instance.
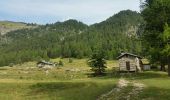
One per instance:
(43, 64)
(130, 62)
(146, 67)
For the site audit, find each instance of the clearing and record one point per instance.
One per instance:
(73, 82)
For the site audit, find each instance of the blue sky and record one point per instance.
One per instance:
(50, 11)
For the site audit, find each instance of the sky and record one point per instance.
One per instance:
(51, 11)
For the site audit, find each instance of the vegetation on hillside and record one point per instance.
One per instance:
(72, 39)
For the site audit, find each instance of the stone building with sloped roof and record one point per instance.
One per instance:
(130, 62)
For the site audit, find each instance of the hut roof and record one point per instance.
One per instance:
(45, 62)
(124, 54)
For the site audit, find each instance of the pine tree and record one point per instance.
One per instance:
(97, 62)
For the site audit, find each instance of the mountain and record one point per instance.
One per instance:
(7, 26)
(72, 39)
(126, 22)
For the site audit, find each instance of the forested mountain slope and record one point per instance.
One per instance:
(72, 39)
(126, 22)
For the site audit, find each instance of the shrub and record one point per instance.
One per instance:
(60, 63)
(70, 60)
(11, 65)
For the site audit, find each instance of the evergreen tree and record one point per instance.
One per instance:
(166, 50)
(97, 62)
(156, 14)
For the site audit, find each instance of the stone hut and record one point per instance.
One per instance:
(129, 62)
(43, 63)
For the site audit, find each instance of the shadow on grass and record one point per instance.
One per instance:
(149, 75)
(55, 86)
(59, 86)
(107, 75)
(155, 93)
(132, 75)
(69, 90)
(3, 69)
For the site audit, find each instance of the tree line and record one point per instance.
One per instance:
(72, 39)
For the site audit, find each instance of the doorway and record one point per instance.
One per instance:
(128, 65)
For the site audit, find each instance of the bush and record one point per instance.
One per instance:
(11, 65)
(70, 60)
(60, 63)
(20, 77)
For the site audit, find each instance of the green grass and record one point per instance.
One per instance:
(26, 82)
(86, 90)
(157, 85)
(65, 90)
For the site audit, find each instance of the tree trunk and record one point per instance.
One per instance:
(99, 71)
(168, 67)
(162, 68)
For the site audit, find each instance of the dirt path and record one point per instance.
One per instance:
(125, 90)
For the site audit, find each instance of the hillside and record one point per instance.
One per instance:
(72, 39)
(7, 26)
(126, 22)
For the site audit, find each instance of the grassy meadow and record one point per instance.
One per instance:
(7, 26)
(73, 81)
